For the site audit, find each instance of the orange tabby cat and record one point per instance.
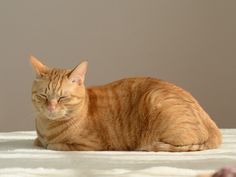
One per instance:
(139, 114)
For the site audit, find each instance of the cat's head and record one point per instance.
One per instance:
(58, 94)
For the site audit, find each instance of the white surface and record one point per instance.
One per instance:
(19, 158)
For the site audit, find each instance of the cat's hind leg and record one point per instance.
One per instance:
(180, 139)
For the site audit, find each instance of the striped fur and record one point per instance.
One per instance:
(142, 114)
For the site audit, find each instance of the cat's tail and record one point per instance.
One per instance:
(160, 146)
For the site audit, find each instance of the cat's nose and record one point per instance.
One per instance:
(51, 108)
(52, 104)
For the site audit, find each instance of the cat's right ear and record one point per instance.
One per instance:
(39, 68)
(77, 75)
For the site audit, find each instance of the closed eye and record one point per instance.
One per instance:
(42, 96)
(63, 98)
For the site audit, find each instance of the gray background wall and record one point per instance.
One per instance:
(191, 43)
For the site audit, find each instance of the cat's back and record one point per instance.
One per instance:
(133, 84)
(129, 92)
(138, 86)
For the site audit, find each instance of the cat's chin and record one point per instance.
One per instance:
(61, 118)
(56, 117)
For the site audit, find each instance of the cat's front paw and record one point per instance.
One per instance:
(37, 142)
(58, 147)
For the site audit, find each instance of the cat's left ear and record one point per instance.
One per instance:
(39, 67)
(77, 75)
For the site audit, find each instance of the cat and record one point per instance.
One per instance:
(133, 114)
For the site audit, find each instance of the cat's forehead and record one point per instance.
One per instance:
(56, 73)
(53, 81)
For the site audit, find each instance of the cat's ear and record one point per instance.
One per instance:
(40, 68)
(77, 75)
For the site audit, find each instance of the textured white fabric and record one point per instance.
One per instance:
(19, 158)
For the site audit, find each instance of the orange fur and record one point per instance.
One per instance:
(142, 114)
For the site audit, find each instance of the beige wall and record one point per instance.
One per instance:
(191, 43)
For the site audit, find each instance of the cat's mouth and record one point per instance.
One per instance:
(59, 115)
(55, 115)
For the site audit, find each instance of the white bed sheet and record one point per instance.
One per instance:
(19, 158)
